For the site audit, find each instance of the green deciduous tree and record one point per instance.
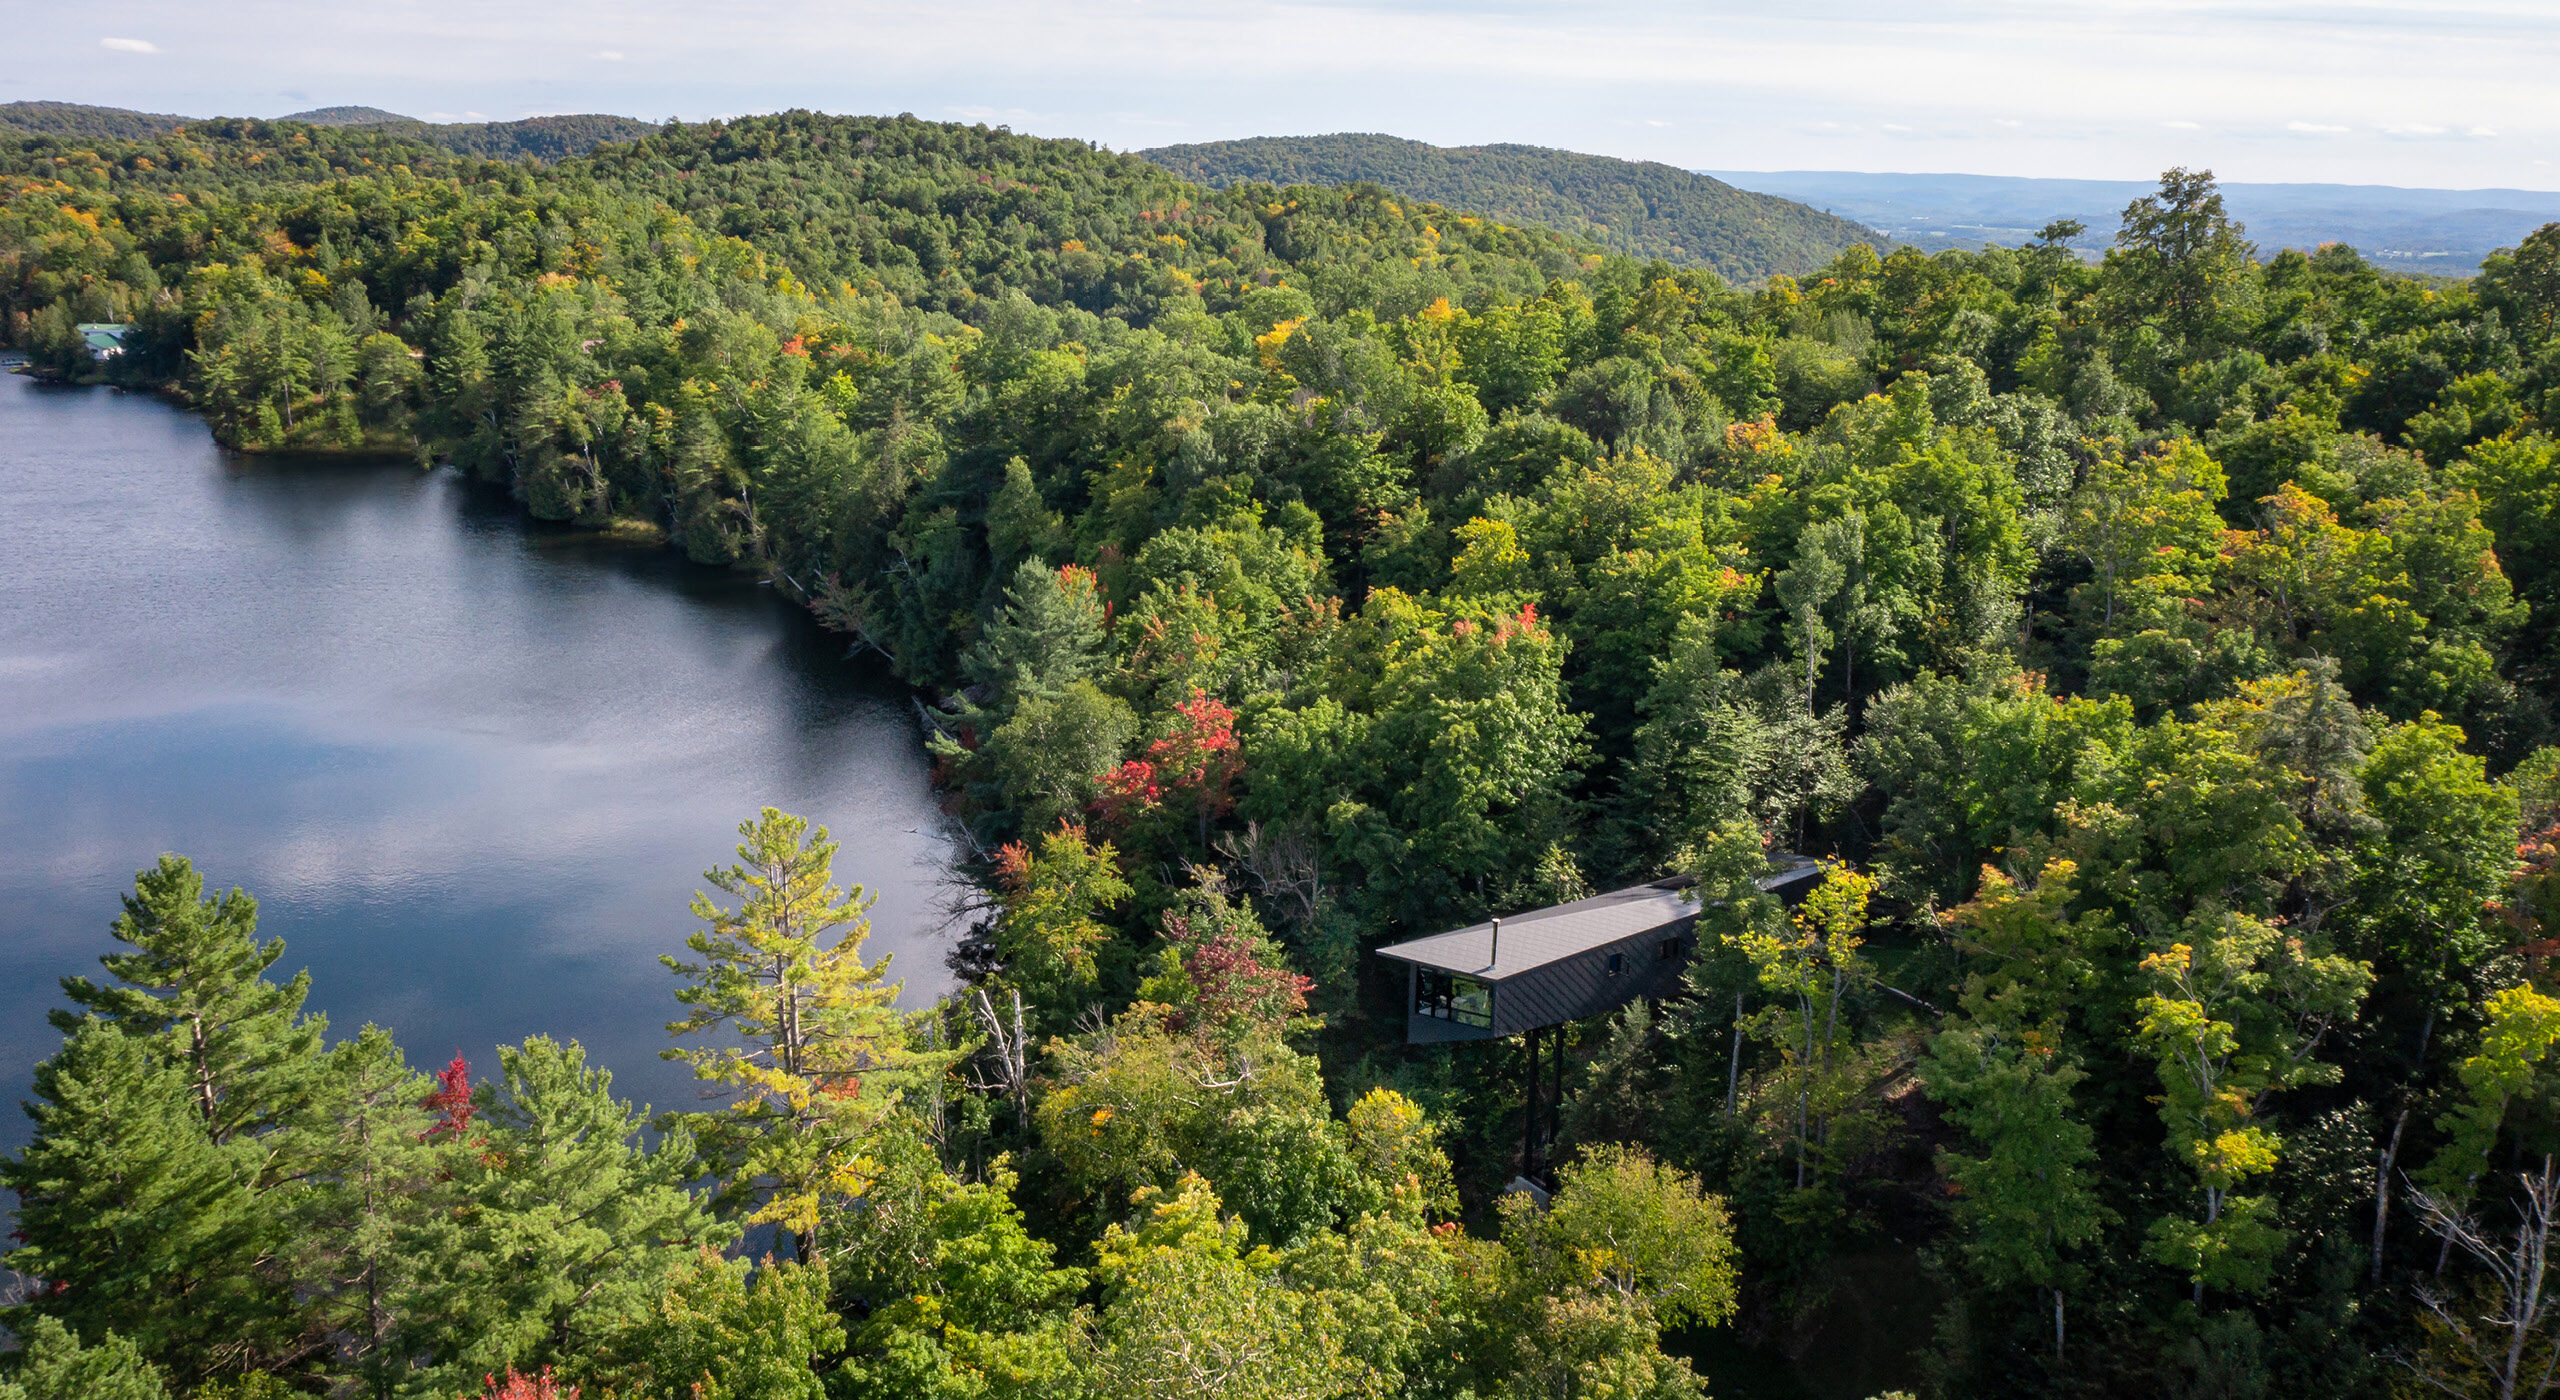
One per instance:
(2027, 1196)
(2232, 1019)
(1047, 940)
(2179, 261)
(1190, 1314)
(722, 1330)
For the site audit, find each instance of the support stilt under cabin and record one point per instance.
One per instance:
(1533, 973)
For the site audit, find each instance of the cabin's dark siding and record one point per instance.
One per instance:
(1570, 989)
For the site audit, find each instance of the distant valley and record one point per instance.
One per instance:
(2445, 232)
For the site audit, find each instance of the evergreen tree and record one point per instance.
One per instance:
(557, 1222)
(196, 983)
(812, 1046)
(52, 1365)
(137, 1221)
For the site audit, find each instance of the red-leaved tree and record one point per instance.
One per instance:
(451, 1102)
(1237, 986)
(518, 1386)
(1195, 765)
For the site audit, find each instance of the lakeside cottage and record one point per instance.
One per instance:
(105, 339)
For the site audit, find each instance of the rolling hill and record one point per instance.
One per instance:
(1636, 207)
(346, 116)
(89, 123)
(533, 138)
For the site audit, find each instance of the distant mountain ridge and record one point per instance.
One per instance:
(2445, 232)
(1636, 207)
(80, 120)
(346, 116)
(533, 138)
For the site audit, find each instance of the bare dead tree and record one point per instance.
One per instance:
(1212, 878)
(1010, 1048)
(2500, 1343)
(1285, 868)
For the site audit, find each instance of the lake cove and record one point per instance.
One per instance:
(471, 767)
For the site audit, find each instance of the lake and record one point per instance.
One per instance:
(471, 767)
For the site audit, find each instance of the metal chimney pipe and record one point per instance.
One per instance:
(1496, 957)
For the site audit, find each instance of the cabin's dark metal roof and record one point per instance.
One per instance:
(1542, 936)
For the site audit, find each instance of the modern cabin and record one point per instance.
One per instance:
(1543, 968)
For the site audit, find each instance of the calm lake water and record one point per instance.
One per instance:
(471, 768)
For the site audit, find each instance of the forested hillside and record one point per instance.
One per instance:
(542, 138)
(2159, 654)
(93, 123)
(1640, 208)
(345, 116)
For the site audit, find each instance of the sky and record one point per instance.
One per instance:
(2407, 92)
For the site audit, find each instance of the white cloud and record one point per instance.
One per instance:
(1896, 126)
(2415, 129)
(2010, 122)
(611, 55)
(129, 45)
(2481, 131)
(2184, 126)
(1655, 121)
(2315, 129)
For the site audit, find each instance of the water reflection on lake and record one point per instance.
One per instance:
(471, 768)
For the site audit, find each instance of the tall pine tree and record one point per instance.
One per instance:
(816, 1053)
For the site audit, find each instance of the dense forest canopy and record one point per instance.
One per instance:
(2159, 653)
(345, 116)
(1643, 209)
(532, 138)
(81, 120)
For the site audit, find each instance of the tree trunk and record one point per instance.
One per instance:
(2391, 1151)
(2382, 1190)
(2212, 1213)
(2057, 1324)
(1733, 1071)
(204, 1072)
(782, 1050)
(1804, 1090)
(2444, 1243)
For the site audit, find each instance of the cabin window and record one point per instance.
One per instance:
(1617, 963)
(1445, 996)
(1669, 951)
